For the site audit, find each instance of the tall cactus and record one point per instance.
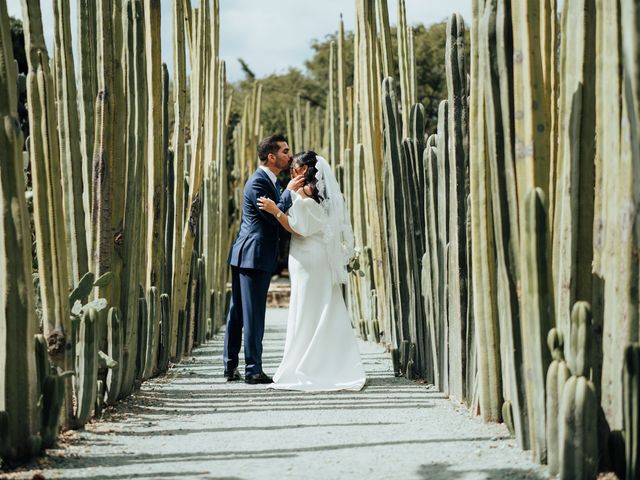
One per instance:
(70, 152)
(537, 315)
(134, 204)
(458, 189)
(155, 153)
(620, 133)
(87, 92)
(483, 262)
(18, 382)
(48, 202)
(368, 120)
(573, 218)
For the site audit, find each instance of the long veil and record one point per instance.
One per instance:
(338, 234)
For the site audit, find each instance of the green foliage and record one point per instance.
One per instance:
(280, 90)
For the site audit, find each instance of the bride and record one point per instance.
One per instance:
(320, 352)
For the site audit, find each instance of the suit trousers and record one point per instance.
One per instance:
(249, 289)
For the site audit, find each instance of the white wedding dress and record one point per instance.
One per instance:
(321, 351)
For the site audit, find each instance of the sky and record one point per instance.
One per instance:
(273, 35)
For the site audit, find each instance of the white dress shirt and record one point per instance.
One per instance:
(272, 175)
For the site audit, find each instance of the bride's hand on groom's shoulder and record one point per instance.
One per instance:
(296, 183)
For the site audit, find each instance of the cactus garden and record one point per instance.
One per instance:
(495, 226)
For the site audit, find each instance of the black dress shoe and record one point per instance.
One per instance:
(232, 375)
(257, 378)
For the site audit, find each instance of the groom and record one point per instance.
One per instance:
(253, 260)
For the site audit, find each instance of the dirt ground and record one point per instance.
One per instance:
(192, 424)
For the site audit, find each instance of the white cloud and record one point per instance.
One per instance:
(273, 35)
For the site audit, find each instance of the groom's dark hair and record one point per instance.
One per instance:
(269, 145)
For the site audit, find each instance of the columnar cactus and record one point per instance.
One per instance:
(48, 201)
(618, 132)
(115, 343)
(458, 190)
(165, 331)
(86, 366)
(537, 315)
(87, 91)
(631, 413)
(482, 254)
(70, 152)
(156, 155)
(579, 407)
(153, 333)
(134, 240)
(574, 199)
(557, 376)
(19, 425)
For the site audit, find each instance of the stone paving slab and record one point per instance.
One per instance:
(193, 424)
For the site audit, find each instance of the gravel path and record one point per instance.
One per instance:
(192, 424)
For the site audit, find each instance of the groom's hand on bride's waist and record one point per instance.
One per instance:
(296, 183)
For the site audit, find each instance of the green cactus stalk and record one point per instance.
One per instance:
(195, 199)
(178, 145)
(442, 228)
(18, 370)
(48, 202)
(87, 92)
(115, 342)
(620, 192)
(152, 334)
(404, 68)
(573, 216)
(342, 110)
(143, 337)
(156, 157)
(368, 121)
(397, 232)
(557, 375)
(537, 316)
(631, 413)
(578, 432)
(165, 331)
(431, 261)
(134, 240)
(457, 125)
(70, 153)
(86, 366)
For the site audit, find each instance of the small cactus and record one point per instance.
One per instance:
(579, 407)
(86, 366)
(557, 375)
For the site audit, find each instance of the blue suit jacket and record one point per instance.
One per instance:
(256, 245)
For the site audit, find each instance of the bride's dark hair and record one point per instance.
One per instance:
(309, 159)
